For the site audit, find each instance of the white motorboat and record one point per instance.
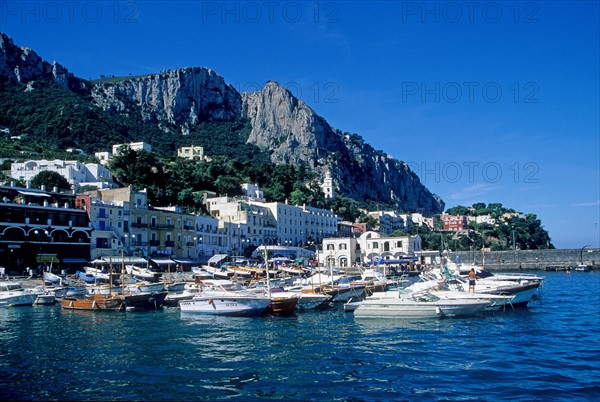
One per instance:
(190, 290)
(13, 294)
(224, 297)
(582, 268)
(43, 295)
(217, 272)
(522, 287)
(418, 305)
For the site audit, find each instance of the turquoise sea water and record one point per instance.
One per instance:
(550, 351)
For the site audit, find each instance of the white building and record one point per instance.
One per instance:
(340, 252)
(135, 146)
(375, 246)
(77, 173)
(486, 219)
(421, 220)
(253, 192)
(390, 221)
(105, 156)
(370, 247)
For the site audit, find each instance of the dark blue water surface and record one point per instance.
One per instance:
(550, 351)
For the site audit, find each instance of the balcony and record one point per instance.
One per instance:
(138, 225)
(169, 243)
(155, 243)
(162, 227)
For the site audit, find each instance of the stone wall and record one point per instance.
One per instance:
(532, 259)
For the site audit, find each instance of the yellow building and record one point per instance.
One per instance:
(194, 152)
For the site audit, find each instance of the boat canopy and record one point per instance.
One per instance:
(217, 258)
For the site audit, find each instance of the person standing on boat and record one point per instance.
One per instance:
(471, 278)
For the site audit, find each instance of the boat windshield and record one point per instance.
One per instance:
(7, 287)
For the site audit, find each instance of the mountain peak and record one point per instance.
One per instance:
(23, 65)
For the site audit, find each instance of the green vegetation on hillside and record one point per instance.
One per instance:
(511, 230)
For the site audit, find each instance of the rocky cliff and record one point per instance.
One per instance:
(181, 97)
(25, 66)
(295, 134)
(290, 130)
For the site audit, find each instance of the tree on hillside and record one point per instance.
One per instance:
(50, 180)
(137, 168)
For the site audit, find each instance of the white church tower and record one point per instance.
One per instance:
(327, 186)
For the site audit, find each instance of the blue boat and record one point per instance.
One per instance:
(88, 278)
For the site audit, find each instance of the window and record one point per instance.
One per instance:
(375, 245)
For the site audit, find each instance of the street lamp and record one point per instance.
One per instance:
(131, 242)
(581, 253)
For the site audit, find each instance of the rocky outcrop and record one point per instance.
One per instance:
(287, 127)
(181, 97)
(23, 65)
(295, 134)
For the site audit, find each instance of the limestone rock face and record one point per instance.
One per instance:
(295, 134)
(25, 66)
(184, 96)
(286, 126)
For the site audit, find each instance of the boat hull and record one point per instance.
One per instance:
(148, 301)
(285, 305)
(230, 306)
(414, 309)
(107, 304)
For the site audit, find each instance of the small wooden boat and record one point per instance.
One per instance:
(282, 303)
(96, 302)
(234, 270)
(224, 297)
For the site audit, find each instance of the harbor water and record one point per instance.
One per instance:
(549, 351)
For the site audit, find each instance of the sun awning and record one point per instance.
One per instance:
(31, 193)
(163, 261)
(217, 258)
(186, 261)
(126, 259)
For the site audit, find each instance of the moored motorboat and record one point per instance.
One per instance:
(43, 295)
(190, 290)
(224, 297)
(422, 305)
(12, 294)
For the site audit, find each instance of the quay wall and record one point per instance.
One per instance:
(531, 259)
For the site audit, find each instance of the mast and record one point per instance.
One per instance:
(122, 272)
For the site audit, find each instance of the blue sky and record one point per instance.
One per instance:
(490, 101)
